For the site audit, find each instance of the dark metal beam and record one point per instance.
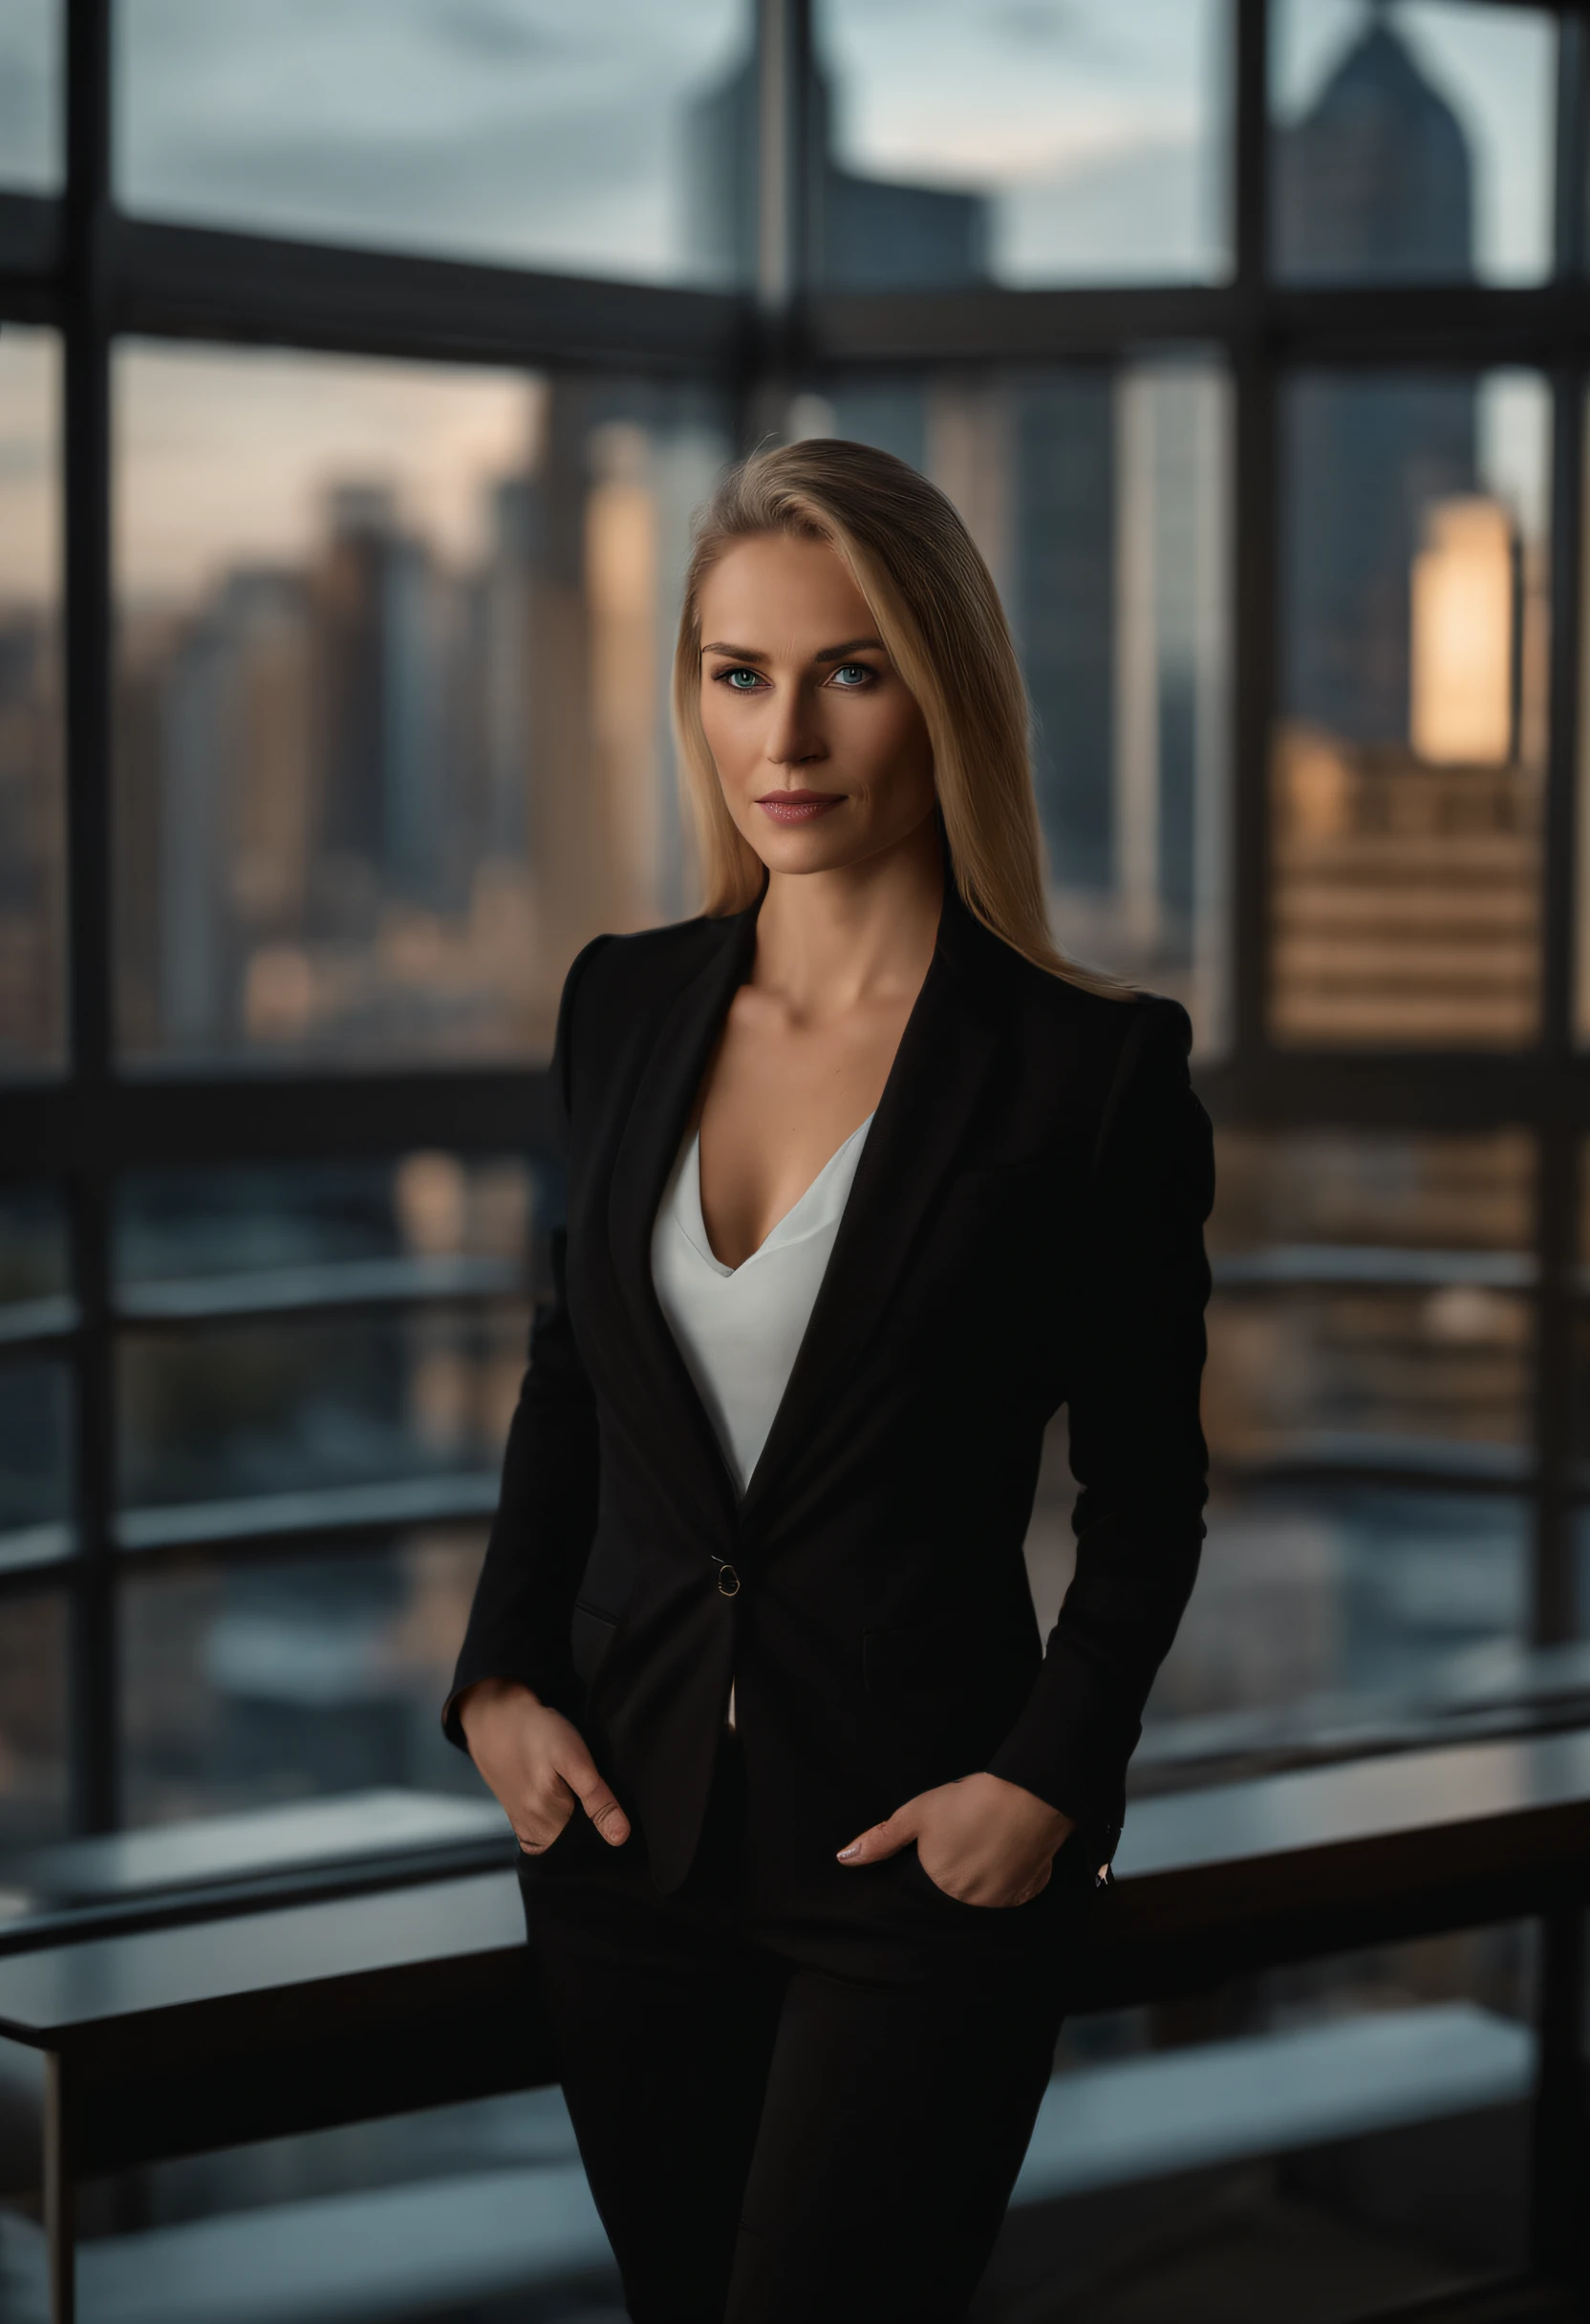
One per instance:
(1554, 1610)
(1254, 548)
(23, 301)
(1302, 1089)
(1440, 324)
(201, 1124)
(169, 1125)
(190, 282)
(29, 234)
(87, 696)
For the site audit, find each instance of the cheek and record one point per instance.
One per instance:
(900, 752)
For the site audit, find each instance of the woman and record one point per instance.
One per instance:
(865, 1180)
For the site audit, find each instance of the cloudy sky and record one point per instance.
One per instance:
(546, 134)
(524, 130)
(551, 134)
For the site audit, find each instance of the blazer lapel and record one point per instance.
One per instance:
(930, 1100)
(679, 1426)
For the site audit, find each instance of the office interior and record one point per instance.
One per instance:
(360, 368)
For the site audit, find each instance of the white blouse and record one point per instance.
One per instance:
(739, 1328)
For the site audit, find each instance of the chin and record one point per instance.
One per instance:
(797, 852)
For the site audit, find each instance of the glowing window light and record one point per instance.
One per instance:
(1461, 696)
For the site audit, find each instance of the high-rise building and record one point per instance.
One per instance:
(1406, 803)
(379, 617)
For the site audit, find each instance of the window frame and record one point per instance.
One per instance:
(77, 264)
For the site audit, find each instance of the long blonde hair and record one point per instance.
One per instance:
(940, 616)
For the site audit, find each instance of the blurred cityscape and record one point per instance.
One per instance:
(368, 803)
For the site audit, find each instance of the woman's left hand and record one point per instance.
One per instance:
(980, 1839)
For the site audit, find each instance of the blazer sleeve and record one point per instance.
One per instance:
(1136, 1443)
(546, 1507)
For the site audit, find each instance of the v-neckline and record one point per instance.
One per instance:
(929, 1095)
(776, 1237)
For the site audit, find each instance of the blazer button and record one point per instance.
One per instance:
(728, 1581)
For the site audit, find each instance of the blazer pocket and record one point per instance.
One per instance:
(591, 1634)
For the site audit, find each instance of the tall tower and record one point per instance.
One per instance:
(1373, 184)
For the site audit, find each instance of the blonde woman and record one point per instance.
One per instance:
(865, 1180)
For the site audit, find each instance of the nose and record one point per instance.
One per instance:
(794, 735)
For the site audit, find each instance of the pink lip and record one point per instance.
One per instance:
(798, 807)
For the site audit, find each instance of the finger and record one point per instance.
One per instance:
(883, 1840)
(535, 1834)
(580, 1775)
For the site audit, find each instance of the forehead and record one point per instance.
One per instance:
(773, 591)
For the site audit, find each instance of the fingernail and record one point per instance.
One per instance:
(846, 1854)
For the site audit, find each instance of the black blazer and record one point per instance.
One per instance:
(1024, 1230)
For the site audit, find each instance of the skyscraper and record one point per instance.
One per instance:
(1374, 183)
(1406, 831)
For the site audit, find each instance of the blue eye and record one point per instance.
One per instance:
(732, 678)
(850, 675)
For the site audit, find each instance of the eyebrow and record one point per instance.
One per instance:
(852, 645)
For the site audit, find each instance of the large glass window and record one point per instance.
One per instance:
(955, 144)
(391, 726)
(579, 139)
(33, 821)
(1409, 760)
(1411, 142)
(396, 549)
(1098, 499)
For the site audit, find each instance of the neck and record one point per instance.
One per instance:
(827, 940)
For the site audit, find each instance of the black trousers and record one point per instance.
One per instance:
(790, 2115)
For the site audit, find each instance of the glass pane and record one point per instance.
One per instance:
(392, 731)
(1022, 145)
(1408, 764)
(1099, 504)
(213, 1418)
(246, 1685)
(1386, 2084)
(34, 1262)
(524, 132)
(1372, 1299)
(1414, 142)
(34, 1801)
(32, 825)
(1442, 1377)
(1372, 1307)
(190, 1242)
(1324, 1608)
(35, 1461)
(1298, 1197)
(31, 124)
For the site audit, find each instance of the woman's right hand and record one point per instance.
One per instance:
(536, 1763)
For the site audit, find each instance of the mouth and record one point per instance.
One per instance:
(798, 806)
